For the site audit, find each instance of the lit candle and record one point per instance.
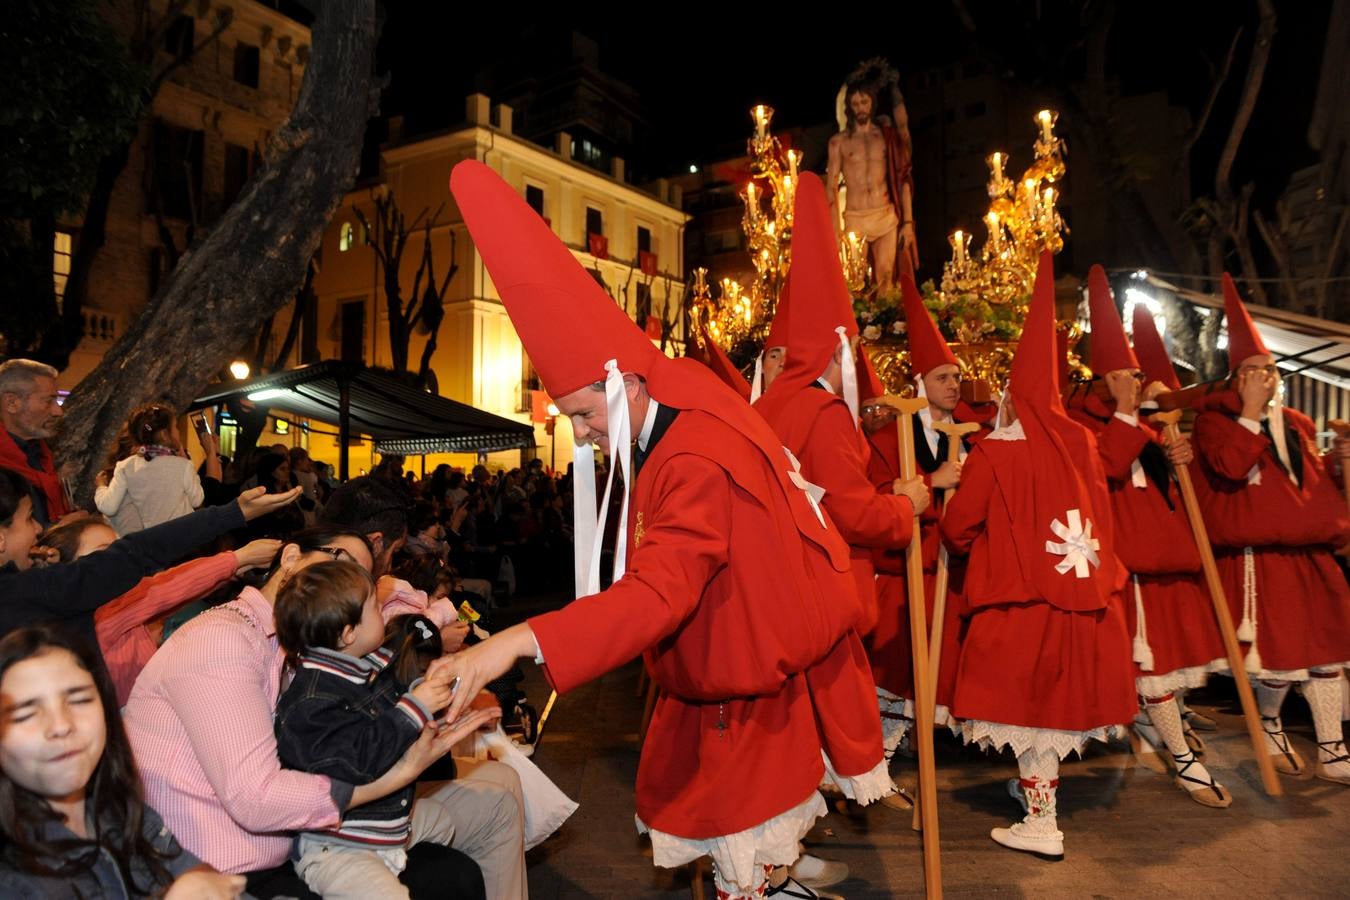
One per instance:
(996, 163)
(794, 156)
(959, 247)
(995, 230)
(751, 201)
(1047, 120)
(762, 116)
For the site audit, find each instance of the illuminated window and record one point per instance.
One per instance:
(62, 246)
(345, 239)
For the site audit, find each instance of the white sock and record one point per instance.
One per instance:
(1269, 698)
(1166, 715)
(1039, 771)
(1323, 693)
(727, 890)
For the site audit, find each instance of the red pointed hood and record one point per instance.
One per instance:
(571, 328)
(1063, 487)
(1150, 350)
(821, 303)
(1110, 349)
(1244, 341)
(928, 349)
(779, 325)
(715, 358)
(869, 382)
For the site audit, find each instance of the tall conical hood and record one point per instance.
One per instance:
(821, 306)
(928, 349)
(1244, 341)
(869, 382)
(542, 285)
(1110, 350)
(721, 365)
(1035, 368)
(1150, 350)
(1061, 492)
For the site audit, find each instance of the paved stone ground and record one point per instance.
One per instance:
(1129, 833)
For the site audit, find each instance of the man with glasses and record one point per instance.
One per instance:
(1176, 640)
(1275, 515)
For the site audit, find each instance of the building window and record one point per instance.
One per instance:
(534, 196)
(63, 245)
(345, 238)
(353, 335)
(175, 182)
(529, 383)
(644, 240)
(238, 168)
(178, 37)
(246, 64)
(594, 223)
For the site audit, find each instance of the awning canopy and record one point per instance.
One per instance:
(1315, 348)
(400, 419)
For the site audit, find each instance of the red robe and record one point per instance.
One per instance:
(1302, 600)
(729, 605)
(1025, 661)
(1155, 543)
(821, 432)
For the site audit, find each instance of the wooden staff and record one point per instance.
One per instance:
(1342, 429)
(955, 432)
(1216, 594)
(918, 628)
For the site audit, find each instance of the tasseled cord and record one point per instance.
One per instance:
(1246, 631)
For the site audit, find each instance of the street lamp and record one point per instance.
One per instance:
(239, 369)
(552, 438)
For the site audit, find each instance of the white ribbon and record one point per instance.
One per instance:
(1079, 547)
(814, 492)
(848, 371)
(1137, 476)
(589, 526)
(757, 385)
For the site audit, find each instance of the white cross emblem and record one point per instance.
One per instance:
(1079, 547)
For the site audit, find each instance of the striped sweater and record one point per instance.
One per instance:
(349, 719)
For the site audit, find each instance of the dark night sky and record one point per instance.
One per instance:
(699, 69)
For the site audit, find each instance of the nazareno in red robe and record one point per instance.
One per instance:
(1301, 601)
(817, 427)
(1025, 661)
(733, 740)
(889, 645)
(1180, 641)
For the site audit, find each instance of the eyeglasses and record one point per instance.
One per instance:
(338, 553)
(1271, 369)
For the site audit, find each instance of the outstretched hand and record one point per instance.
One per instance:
(477, 665)
(257, 502)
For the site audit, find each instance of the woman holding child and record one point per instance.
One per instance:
(200, 719)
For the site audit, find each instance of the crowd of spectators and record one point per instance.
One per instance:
(141, 667)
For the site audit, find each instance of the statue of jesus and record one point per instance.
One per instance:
(873, 156)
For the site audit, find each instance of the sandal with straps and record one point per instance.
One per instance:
(1210, 793)
(1287, 759)
(1342, 757)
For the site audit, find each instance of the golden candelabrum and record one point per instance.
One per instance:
(741, 312)
(982, 298)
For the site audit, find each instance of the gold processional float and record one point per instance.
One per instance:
(979, 305)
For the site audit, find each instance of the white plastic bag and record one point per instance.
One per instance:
(546, 807)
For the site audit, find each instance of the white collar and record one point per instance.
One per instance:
(648, 424)
(825, 384)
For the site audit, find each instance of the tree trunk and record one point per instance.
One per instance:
(253, 260)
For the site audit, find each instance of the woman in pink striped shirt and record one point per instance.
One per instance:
(200, 722)
(129, 627)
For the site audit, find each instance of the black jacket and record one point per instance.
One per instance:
(350, 719)
(68, 594)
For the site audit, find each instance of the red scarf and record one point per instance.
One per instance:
(45, 479)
